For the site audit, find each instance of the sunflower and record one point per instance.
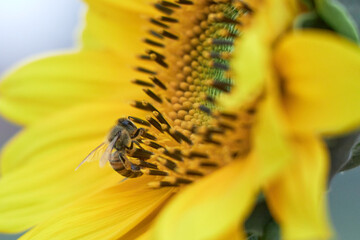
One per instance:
(232, 103)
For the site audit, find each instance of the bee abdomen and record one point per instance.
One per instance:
(119, 167)
(130, 174)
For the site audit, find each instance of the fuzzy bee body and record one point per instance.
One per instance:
(122, 138)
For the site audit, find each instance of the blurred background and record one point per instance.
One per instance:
(35, 27)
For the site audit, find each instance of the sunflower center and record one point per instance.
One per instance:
(187, 67)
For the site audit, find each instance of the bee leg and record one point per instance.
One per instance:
(125, 161)
(131, 149)
(139, 132)
(138, 144)
(128, 165)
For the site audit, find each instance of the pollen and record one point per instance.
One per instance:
(190, 47)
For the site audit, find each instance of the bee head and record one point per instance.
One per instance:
(127, 124)
(123, 124)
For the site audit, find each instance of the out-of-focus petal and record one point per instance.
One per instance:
(271, 136)
(321, 79)
(252, 53)
(296, 196)
(211, 207)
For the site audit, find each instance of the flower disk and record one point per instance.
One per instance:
(187, 66)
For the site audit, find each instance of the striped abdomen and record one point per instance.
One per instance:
(117, 162)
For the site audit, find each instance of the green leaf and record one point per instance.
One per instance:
(252, 237)
(354, 159)
(309, 3)
(310, 20)
(341, 149)
(337, 16)
(258, 219)
(272, 231)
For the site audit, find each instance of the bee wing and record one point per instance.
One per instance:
(94, 153)
(107, 154)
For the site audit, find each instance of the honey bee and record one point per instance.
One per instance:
(122, 138)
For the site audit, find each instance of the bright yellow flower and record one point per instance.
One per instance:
(287, 91)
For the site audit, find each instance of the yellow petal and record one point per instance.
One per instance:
(212, 207)
(234, 233)
(118, 26)
(135, 6)
(296, 196)
(54, 83)
(321, 77)
(145, 236)
(108, 214)
(79, 124)
(38, 166)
